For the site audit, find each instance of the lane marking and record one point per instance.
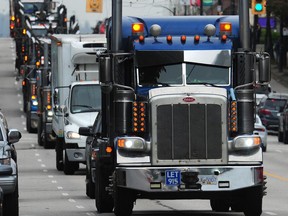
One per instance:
(270, 213)
(65, 194)
(39, 160)
(50, 176)
(60, 188)
(276, 176)
(71, 200)
(43, 165)
(79, 207)
(90, 214)
(54, 182)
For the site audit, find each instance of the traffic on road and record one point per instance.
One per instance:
(149, 118)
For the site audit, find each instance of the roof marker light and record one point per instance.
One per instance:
(183, 39)
(224, 38)
(196, 38)
(137, 28)
(141, 38)
(169, 38)
(225, 28)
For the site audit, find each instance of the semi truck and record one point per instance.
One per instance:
(178, 112)
(76, 97)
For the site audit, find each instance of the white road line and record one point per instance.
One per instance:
(79, 207)
(50, 176)
(37, 154)
(43, 165)
(60, 188)
(280, 151)
(270, 213)
(45, 170)
(65, 194)
(90, 214)
(71, 200)
(39, 160)
(19, 102)
(54, 182)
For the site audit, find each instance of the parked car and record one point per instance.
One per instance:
(259, 129)
(269, 108)
(8, 168)
(283, 125)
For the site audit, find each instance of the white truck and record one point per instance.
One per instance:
(77, 94)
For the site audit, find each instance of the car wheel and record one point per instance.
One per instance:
(280, 136)
(285, 136)
(69, 167)
(90, 185)
(253, 202)
(11, 203)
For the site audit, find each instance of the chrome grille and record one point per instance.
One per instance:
(189, 132)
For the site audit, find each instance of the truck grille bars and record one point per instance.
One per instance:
(188, 132)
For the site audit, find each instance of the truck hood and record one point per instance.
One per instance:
(83, 119)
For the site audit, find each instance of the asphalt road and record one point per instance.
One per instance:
(44, 191)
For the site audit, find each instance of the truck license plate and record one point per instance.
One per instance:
(172, 177)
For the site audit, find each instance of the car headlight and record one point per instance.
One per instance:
(5, 161)
(72, 135)
(246, 142)
(35, 103)
(131, 143)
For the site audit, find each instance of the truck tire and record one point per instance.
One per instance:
(69, 167)
(253, 202)
(59, 155)
(219, 205)
(123, 202)
(39, 132)
(28, 122)
(285, 136)
(280, 136)
(11, 203)
(103, 200)
(90, 185)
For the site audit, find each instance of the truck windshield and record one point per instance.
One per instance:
(166, 75)
(86, 98)
(31, 8)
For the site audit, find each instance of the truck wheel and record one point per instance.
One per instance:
(280, 136)
(285, 136)
(59, 155)
(103, 200)
(123, 202)
(69, 167)
(90, 185)
(253, 202)
(11, 203)
(39, 132)
(219, 205)
(28, 122)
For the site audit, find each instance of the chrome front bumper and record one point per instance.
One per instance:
(175, 179)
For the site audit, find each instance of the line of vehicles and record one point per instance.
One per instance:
(158, 108)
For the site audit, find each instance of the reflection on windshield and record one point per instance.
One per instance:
(166, 75)
(86, 98)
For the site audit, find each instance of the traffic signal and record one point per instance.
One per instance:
(258, 7)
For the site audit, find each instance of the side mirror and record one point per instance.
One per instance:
(85, 131)
(55, 96)
(264, 68)
(14, 136)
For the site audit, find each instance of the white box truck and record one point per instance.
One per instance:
(76, 94)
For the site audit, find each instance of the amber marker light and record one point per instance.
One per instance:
(137, 28)
(169, 39)
(183, 38)
(109, 149)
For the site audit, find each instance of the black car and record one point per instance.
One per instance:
(269, 109)
(8, 168)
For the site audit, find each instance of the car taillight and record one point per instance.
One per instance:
(265, 112)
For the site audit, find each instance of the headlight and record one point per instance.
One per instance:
(5, 161)
(246, 142)
(72, 135)
(131, 143)
(50, 113)
(35, 103)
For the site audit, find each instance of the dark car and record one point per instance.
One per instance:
(8, 168)
(283, 125)
(269, 108)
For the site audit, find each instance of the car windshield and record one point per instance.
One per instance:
(86, 98)
(275, 104)
(173, 75)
